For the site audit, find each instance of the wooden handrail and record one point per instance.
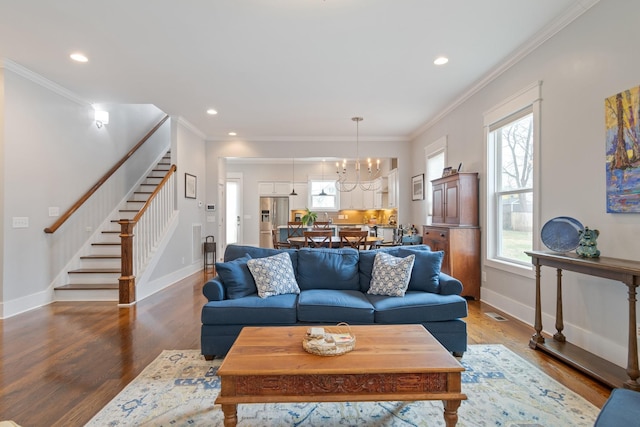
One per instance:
(102, 180)
(171, 171)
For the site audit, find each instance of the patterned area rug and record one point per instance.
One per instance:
(179, 387)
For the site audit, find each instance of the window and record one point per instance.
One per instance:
(512, 147)
(327, 201)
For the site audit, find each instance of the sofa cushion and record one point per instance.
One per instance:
(365, 265)
(390, 275)
(251, 310)
(273, 275)
(426, 270)
(236, 277)
(417, 307)
(324, 268)
(237, 251)
(334, 306)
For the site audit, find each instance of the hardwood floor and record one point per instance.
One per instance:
(61, 363)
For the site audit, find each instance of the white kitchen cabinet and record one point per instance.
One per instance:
(380, 184)
(392, 181)
(368, 199)
(274, 188)
(301, 201)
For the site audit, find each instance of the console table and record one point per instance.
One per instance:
(625, 271)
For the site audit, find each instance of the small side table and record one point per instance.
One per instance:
(209, 249)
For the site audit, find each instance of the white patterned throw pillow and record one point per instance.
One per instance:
(273, 275)
(390, 275)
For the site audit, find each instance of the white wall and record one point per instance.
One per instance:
(179, 259)
(588, 61)
(52, 154)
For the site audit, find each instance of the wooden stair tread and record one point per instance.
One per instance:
(94, 270)
(106, 244)
(87, 286)
(110, 231)
(101, 257)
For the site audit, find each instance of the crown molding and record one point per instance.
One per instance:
(42, 81)
(553, 28)
(316, 139)
(189, 126)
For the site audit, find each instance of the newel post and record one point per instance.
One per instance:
(127, 280)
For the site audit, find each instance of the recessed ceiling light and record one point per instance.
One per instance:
(232, 134)
(441, 60)
(78, 57)
(212, 112)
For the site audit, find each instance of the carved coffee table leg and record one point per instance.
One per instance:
(451, 412)
(230, 415)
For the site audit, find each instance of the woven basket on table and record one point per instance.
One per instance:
(333, 342)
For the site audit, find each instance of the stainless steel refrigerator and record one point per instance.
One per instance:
(274, 212)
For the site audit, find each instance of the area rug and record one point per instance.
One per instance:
(179, 387)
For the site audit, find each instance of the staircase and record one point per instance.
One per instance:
(96, 278)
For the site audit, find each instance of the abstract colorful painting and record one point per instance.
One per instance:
(622, 122)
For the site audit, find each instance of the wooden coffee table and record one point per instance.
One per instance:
(390, 362)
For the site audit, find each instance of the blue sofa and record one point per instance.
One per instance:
(333, 288)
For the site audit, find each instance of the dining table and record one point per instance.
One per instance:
(371, 241)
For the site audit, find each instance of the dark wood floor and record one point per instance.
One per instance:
(61, 363)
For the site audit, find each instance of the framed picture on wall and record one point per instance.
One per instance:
(190, 182)
(417, 185)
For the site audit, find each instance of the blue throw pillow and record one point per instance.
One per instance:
(236, 277)
(426, 270)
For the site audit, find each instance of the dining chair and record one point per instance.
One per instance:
(294, 229)
(317, 238)
(276, 243)
(322, 225)
(353, 239)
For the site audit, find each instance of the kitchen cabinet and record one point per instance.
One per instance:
(461, 246)
(301, 201)
(274, 188)
(392, 184)
(367, 199)
(380, 184)
(351, 199)
(455, 199)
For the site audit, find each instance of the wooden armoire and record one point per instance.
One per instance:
(454, 229)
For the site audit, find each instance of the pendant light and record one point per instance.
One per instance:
(293, 180)
(322, 193)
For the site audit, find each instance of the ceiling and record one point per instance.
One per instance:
(279, 69)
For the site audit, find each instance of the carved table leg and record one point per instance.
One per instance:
(632, 358)
(230, 415)
(537, 338)
(451, 412)
(558, 336)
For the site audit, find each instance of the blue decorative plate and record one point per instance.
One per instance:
(561, 234)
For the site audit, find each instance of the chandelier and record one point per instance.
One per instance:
(347, 182)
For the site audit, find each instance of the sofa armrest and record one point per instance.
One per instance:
(449, 285)
(214, 290)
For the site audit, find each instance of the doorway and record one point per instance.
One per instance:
(234, 208)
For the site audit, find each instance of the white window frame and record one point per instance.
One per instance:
(311, 195)
(434, 149)
(527, 98)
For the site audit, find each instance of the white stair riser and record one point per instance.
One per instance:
(105, 250)
(86, 295)
(93, 278)
(100, 263)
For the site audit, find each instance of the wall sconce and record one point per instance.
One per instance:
(101, 117)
